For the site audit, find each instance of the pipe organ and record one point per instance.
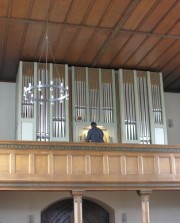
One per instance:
(142, 108)
(128, 105)
(94, 100)
(38, 120)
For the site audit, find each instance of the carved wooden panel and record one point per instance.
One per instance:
(41, 164)
(4, 163)
(60, 164)
(96, 165)
(148, 165)
(78, 165)
(177, 165)
(131, 165)
(22, 163)
(114, 165)
(164, 165)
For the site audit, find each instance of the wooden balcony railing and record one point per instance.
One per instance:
(67, 166)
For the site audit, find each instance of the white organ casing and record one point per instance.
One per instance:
(128, 105)
(141, 107)
(93, 100)
(41, 121)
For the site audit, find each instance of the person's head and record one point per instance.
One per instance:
(93, 124)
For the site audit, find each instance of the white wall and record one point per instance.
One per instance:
(7, 111)
(17, 207)
(172, 107)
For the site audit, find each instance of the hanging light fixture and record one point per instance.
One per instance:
(51, 92)
(29, 92)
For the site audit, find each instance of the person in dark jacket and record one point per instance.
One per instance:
(95, 134)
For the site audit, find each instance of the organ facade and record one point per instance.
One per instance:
(128, 105)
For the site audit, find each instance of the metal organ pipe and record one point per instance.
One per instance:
(27, 108)
(129, 111)
(145, 136)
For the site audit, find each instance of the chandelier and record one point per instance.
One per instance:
(31, 98)
(46, 90)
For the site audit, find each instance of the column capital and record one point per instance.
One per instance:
(77, 192)
(144, 192)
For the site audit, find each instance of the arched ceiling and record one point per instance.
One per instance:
(131, 34)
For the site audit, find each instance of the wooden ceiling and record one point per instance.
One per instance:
(131, 34)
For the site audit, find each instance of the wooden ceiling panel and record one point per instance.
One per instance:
(97, 12)
(78, 11)
(65, 40)
(172, 81)
(170, 19)
(141, 11)
(156, 52)
(20, 8)
(4, 7)
(176, 83)
(114, 12)
(93, 46)
(170, 53)
(40, 9)
(53, 34)
(114, 48)
(157, 14)
(59, 10)
(12, 52)
(32, 36)
(132, 45)
(175, 30)
(142, 50)
(171, 66)
(3, 40)
(77, 46)
(131, 34)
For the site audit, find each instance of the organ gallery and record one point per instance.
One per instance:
(128, 105)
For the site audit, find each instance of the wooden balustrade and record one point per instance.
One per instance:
(67, 166)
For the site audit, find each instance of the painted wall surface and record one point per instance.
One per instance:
(7, 111)
(26, 207)
(172, 107)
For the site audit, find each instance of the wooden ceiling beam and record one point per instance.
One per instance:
(78, 26)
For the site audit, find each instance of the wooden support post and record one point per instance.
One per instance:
(77, 196)
(144, 194)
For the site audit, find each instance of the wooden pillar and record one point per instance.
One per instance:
(77, 197)
(144, 194)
